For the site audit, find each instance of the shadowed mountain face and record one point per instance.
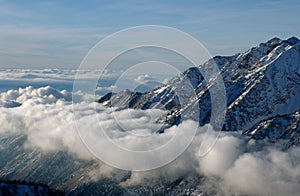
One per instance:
(262, 91)
(19, 188)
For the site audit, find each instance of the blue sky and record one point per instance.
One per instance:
(58, 34)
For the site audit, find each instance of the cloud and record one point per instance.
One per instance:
(105, 89)
(268, 172)
(221, 157)
(13, 79)
(42, 95)
(53, 74)
(235, 165)
(143, 79)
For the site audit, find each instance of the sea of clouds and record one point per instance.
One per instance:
(63, 79)
(235, 164)
(60, 79)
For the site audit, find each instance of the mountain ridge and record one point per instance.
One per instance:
(260, 83)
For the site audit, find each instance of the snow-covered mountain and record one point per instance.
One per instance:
(39, 142)
(262, 89)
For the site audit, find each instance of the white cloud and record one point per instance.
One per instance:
(42, 95)
(268, 172)
(235, 164)
(106, 88)
(143, 79)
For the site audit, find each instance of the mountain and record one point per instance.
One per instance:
(262, 101)
(21, 188)
(262, 92)
(72, 176)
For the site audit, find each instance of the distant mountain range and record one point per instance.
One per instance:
(262, 90)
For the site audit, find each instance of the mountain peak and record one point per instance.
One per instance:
(274, 40)
(292, 40)
(269, 44)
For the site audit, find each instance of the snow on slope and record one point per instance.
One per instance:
(260, 83)
(37, 140)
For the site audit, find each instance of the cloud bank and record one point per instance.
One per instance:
(60, 79)
(235, 164)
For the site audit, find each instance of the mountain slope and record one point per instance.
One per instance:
(19, 188)
(261, 83)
